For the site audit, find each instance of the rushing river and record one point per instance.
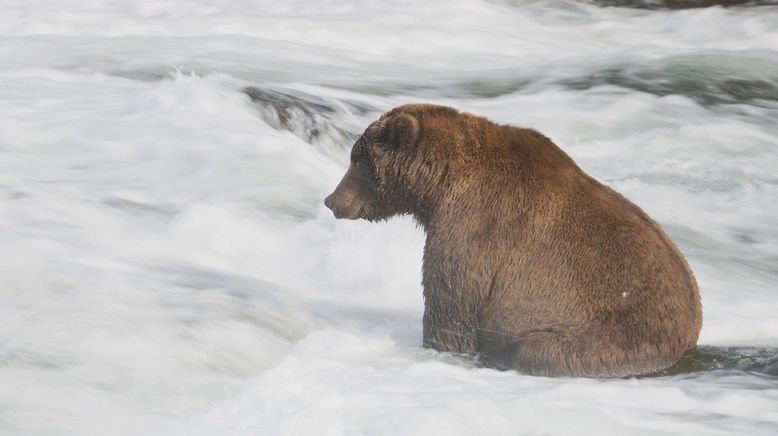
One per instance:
(169, 268)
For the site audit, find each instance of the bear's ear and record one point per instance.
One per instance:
(398, 130)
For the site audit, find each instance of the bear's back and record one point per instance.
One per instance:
(593, 268)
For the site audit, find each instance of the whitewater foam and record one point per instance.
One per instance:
(170, 267)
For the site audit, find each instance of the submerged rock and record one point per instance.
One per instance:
(699, 78)
(707, 358)
(681, 4)
(316, 120)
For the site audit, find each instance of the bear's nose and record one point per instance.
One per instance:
(329, 201)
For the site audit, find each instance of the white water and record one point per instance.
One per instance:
(169, 267)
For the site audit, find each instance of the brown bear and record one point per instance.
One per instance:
(529, 262)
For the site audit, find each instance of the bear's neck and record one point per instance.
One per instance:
(468, 219)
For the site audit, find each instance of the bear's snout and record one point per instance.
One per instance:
(330, 201)
(350, 197)
(342, 208)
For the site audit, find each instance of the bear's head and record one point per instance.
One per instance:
(390, 170)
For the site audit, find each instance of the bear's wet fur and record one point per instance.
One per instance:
(529, 262)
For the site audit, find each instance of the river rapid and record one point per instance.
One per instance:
(169, 267)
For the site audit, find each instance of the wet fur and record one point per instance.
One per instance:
(528, 261)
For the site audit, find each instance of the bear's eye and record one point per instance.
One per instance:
(360, 151)
(370, 140)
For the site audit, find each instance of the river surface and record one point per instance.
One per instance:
(169, 268)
